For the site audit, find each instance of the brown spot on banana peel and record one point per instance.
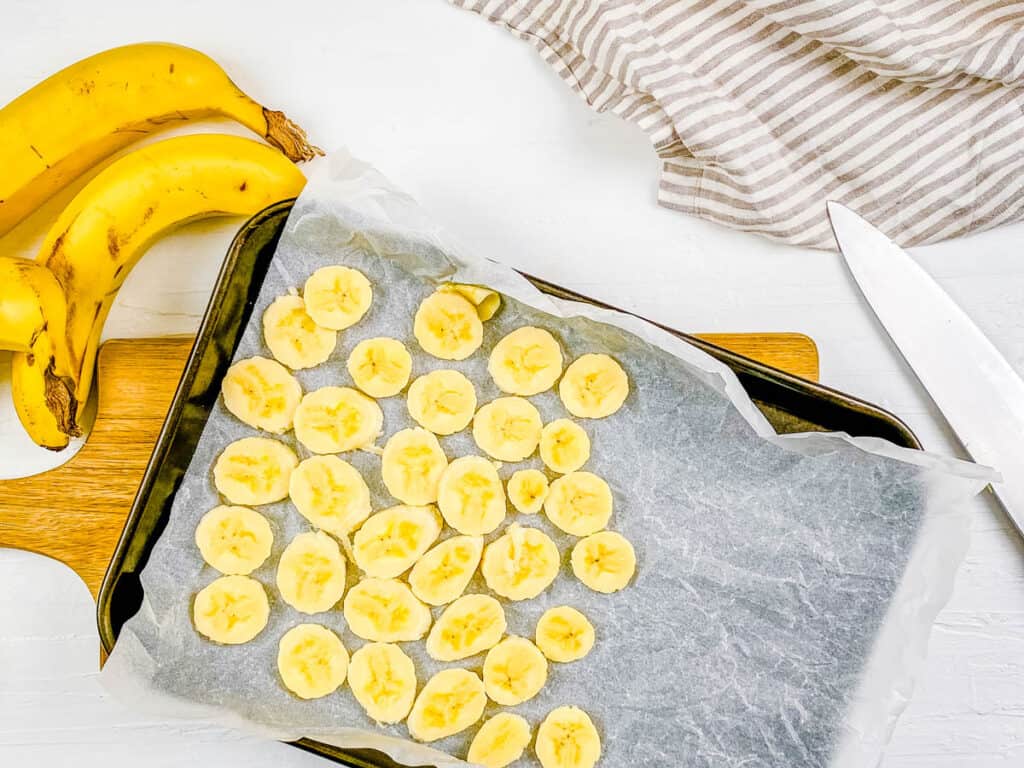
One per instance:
(115, 240)
(58, 264)
(288, 137)
(35, 337)
(170, 117)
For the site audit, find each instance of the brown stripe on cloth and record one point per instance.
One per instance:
(909, 111)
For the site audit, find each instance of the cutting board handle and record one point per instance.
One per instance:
(75, 513)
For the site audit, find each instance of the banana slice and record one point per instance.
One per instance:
(514, 671)
(312, 661)
(470, 625)
(261, 393)
(254, 470)
(293, 337)
(564, 634)
(383, 680)
(412, 465)
(594, 386)
(447, 326)
(527, 489)
(521, 563)
(579, 503)
(231, 610)
(500, 741)
(567, 739)
(385, 611)
(234, 540)
(471, 496)
(336, 419)
(507, 428)
(311, 573)
(391, 541)
(380, 367)
(527, 361)
(605, 561)
(337, 297)
(485, 300)
(330, 493)
(443, 574)
(564, 446)
(442, 401)
(451, 701)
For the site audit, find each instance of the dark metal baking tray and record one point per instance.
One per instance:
(790, 403)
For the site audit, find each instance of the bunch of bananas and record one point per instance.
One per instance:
(52, 309)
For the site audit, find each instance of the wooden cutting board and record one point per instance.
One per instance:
(75, 512)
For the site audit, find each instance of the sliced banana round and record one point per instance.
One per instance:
(330, 493)
(568, 739)
(443, 573)
(337, 297)
(234, 540)
(261, 393)
(312, 661)
(564, 446)
(337, 419)
(383, 680)
(500, 741)
(412, 465)
(231, 610)
(521, 563)
(564, 634)
(485, 300)
(579, 503)
(442, 401)
(254, 470)
(385, 611)
(470, 625)
(293, 337)
(447, 326)
(311, 573)
(514, 671)
(450, 702)
(594, 386)
(380, 367)
(507, 428)
(605, 561)
(471, 496)
(527, 361)
(389, 542)
(527, 489)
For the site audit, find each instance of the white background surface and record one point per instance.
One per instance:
(471, 122)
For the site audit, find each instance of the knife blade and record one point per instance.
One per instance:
(977, 390)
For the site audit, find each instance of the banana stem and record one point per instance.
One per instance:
(288, 137)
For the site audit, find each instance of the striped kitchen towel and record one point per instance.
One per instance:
(910, 112)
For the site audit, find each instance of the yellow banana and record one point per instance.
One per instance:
(31, 301)
(103, 232)
(64, 125)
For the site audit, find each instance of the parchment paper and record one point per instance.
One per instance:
(785, 586)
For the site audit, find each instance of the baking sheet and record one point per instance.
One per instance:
(784, 583)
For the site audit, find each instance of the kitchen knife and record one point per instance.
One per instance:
(980, 395)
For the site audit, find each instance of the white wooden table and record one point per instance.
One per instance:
(471, 122)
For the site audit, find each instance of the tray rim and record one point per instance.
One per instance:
(741, 365)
